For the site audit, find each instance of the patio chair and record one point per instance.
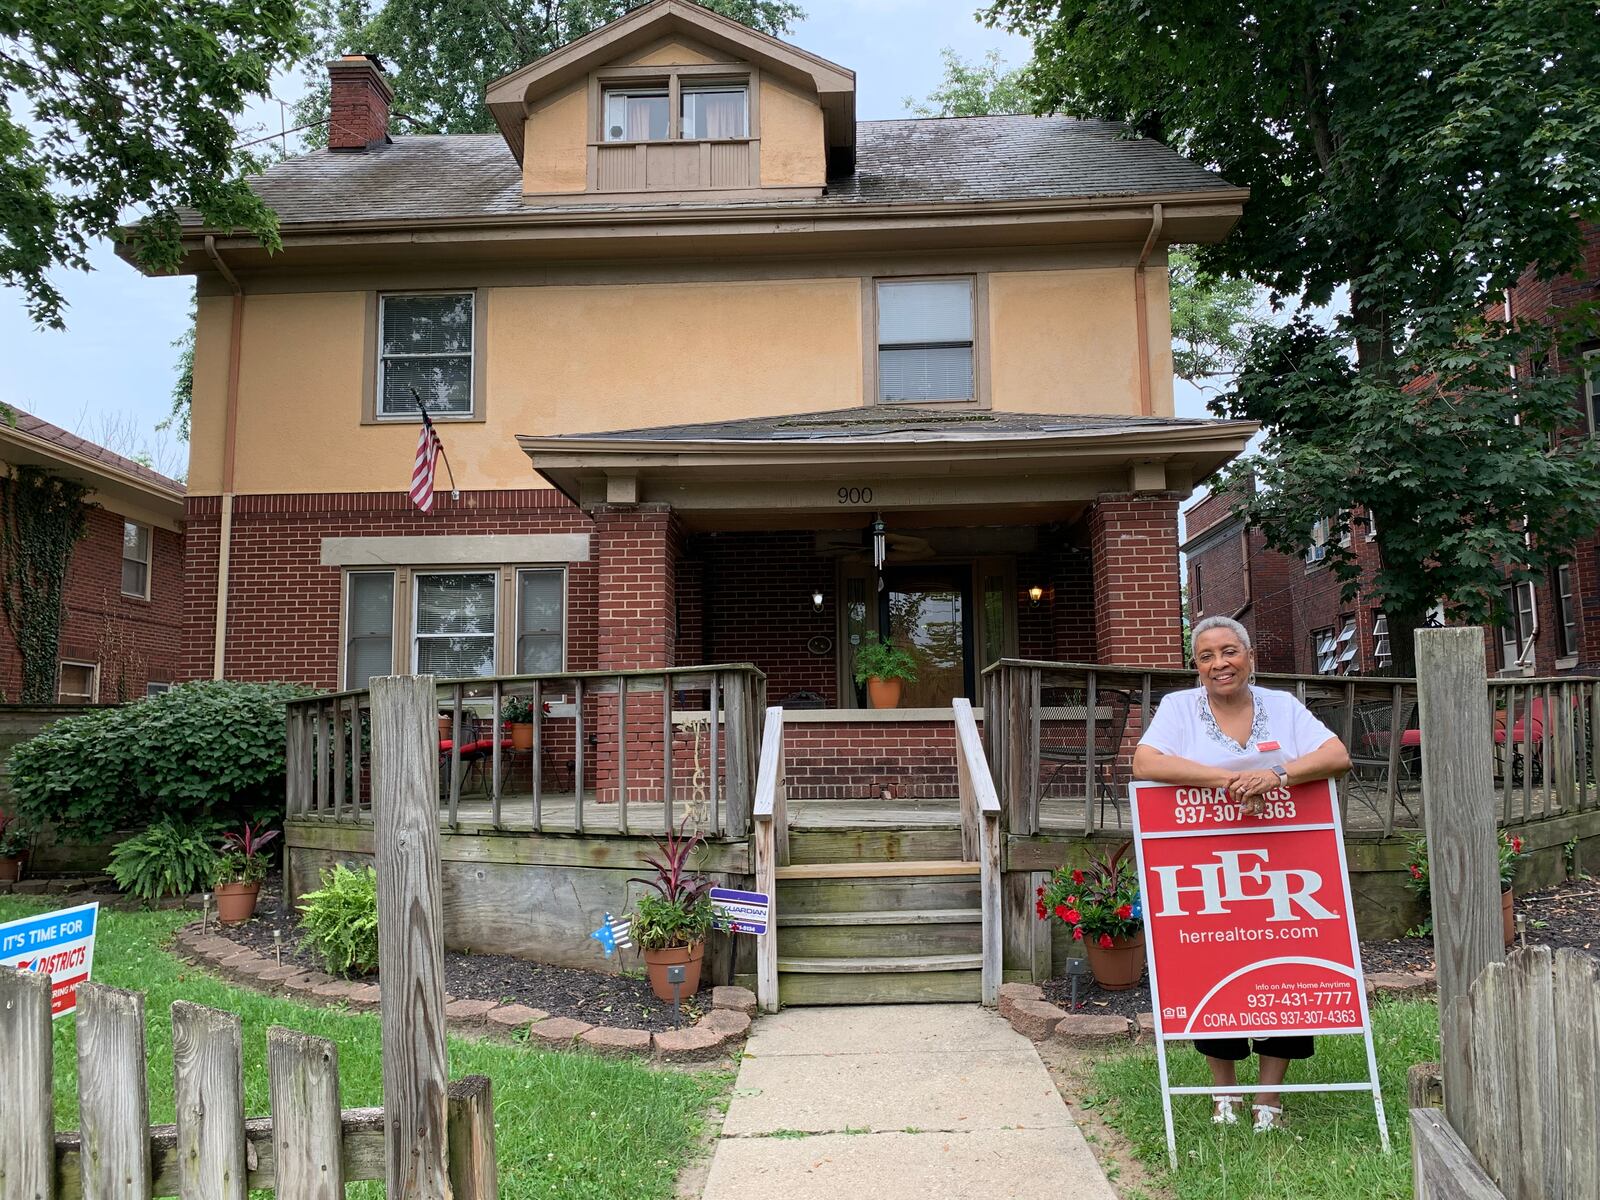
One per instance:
(1372, 735)
(1529, 713)
(1064, 743)
(477, 751)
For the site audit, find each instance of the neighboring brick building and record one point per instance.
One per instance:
(1292, 604)
(125, 583)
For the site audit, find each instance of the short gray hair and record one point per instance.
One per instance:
(1228, 623)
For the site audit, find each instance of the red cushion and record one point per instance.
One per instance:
(1411, 737)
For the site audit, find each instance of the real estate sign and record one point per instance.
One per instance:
(58, 944)
(1249, 928)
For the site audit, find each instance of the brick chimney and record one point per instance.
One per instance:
(358, 103)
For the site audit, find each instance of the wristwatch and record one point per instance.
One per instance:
(1283, 775)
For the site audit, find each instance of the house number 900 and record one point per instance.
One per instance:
(855, 495)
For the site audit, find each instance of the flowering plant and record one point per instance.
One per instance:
(1417, 865)
(518, 710)
(1099, 902)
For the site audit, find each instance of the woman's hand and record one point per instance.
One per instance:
(1252, 788)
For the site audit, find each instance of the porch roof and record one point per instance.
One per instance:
(823, 468)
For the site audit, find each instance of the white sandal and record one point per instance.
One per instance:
(1222, 1111)
(1268, 1117)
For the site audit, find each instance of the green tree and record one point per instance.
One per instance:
(113, 111)
(1406, 163)
(981, 89)
(442, 57)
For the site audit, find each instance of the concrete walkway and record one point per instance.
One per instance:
(936, 1100)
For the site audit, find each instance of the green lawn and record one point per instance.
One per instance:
(567, 1124)
(1331, 1148)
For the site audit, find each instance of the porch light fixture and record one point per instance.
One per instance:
(1035, 594)
(816, 600)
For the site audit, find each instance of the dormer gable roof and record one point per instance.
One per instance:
(510, 98)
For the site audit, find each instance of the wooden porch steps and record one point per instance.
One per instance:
(879, 932)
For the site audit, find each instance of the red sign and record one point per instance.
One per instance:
(1248, 922)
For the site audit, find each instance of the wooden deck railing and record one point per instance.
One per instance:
(981, 839)
(1069, 729)
(628, 751)
(769, 836)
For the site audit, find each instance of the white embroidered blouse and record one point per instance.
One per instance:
(1282, 730)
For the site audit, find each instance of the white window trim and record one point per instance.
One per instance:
(1565, 608)
(472, 361)
(94, 679)
(1382, 647)
(412, 636)
(1589, 364)
(149, 559)
(878, 344)
(157, 687)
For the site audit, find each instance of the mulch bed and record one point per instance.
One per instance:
(1565, 915)
(598, 997)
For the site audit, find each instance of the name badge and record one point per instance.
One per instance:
(1265, 746)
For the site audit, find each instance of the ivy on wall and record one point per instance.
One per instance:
(41, 518)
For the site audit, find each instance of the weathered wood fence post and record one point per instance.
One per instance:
(1459, 817)
(405, 811)
(27, 1117)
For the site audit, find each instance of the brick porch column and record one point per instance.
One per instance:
(636, 555)
(1134, 542)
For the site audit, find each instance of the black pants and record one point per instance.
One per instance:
(1235, 1049)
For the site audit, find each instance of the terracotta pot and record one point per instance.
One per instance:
(236, 902)
(1119, 966)
(884, 693)
(521, 734)
(1508, 916)
(656, 963)
(446, 727)
(11, 869)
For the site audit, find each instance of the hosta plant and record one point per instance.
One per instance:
(173, 857)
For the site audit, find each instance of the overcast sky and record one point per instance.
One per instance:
(115, 360)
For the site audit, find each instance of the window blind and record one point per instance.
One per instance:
(540, 604)
(369, 627)
(925, 340)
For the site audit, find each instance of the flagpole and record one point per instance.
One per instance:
(455, 492)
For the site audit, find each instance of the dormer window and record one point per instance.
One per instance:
(706, 111)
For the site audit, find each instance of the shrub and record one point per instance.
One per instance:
(172, 858)
(198, 752)
(15, 836)
(341, 921)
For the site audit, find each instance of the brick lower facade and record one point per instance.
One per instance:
(132, 641)
(1137, 606)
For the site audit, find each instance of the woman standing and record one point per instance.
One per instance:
(1227, 734)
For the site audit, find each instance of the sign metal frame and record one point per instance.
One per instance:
(1370, 1084)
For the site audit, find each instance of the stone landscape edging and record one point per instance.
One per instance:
(1024, 1006)
(720, 1031)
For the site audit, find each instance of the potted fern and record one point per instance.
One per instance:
(886, 669)
(670, 923)
(240, 869)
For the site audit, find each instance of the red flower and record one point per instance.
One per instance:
(1040, 892)
(1072, 916)
(1038, 907)
(1072, 900)
(1077, 934)
(1516, 844)
(1077, 877)
(1064, 913)
(1105, 941)
(1125, 911)
(1416, 871)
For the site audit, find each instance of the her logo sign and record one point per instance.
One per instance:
(1221, 883)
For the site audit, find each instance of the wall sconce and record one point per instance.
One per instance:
(816, 600)
(1035, 594)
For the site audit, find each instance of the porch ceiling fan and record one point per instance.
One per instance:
(850, 544)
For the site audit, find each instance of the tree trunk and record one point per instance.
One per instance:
(1403, 625)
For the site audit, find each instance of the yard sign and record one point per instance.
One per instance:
(740, 912)
(1249, 929)
(58, 944)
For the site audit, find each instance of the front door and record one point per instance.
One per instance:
(928, 611)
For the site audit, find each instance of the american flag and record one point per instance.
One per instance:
(613, 934)
(428, 451)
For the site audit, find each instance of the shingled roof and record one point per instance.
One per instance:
(950, 159)
(58, 438)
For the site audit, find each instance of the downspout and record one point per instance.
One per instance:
(230, 424)
(1142, 323)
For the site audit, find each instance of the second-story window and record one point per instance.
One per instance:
(425, 346)
(638, 114)
(924, 340)
(713, 111)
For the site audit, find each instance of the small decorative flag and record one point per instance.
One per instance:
(428, 450)
(613, 934)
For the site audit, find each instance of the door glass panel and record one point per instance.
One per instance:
(994, 619)
(927, 611)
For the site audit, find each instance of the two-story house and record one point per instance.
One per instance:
(690, 332)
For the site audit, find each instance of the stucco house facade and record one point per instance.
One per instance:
(690, 334)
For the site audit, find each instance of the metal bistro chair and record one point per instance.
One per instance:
(477, 752)
(1372, 737)
(1067, 746)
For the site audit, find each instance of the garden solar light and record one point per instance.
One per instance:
(675, 976)
(1076, 969)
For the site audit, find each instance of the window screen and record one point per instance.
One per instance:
(455, 624)
(540, 604)
(76, 683)
(369, 627)
(135, 559)
(426, 344)
(925, 340)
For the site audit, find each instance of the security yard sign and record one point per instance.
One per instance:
(58, 944)
(740, 912)
(1249, 929)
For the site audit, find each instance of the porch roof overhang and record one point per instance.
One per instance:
(915, 466)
